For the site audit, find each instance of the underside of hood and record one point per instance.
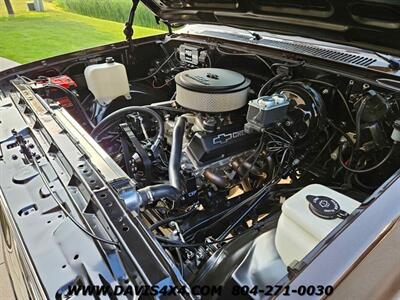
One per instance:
(368, 24)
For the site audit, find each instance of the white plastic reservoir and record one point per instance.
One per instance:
(299, 229)
(107, 81)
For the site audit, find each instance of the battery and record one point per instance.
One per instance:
(56, 94)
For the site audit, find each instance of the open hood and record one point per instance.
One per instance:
(368, 24)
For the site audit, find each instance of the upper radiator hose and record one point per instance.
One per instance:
(176, 153)
(172, 191)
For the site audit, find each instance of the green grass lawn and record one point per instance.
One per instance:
(30, 36)
(18, 5)
(112, 10)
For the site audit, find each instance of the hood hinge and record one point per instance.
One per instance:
(169, 27)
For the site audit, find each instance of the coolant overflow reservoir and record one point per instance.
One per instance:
(107, 81)
(307, 218)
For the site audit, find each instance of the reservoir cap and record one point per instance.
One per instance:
(325, 207)
(109, 60)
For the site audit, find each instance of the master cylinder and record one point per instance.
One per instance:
(266, 110)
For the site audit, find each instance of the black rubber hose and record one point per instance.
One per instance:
(358, 122)
(156, 192)
(176, 153)
(117, 115)
(267, 86)
(172, 191)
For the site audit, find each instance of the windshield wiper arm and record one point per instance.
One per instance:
(393, 63)
(255, 36)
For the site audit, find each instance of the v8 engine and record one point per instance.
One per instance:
(228, 157)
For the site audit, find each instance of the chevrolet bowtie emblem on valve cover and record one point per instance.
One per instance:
(223, 138)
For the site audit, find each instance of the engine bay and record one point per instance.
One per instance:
(233, 153)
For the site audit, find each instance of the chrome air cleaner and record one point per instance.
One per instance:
(211, 90)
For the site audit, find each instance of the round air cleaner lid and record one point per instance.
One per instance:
(212, 80)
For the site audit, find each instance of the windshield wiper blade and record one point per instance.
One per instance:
(393, 63)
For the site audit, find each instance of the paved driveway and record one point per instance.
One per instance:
(6, 64)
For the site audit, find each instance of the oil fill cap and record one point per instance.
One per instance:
(325, 207)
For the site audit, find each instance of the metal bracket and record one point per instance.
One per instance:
(129, 137)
